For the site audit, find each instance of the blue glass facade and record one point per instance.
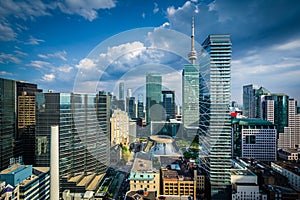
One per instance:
(153, 93)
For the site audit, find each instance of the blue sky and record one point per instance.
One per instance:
(77, 45)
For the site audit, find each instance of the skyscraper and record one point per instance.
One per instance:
(169, 103)
(83, 121)
(249, 101)
(121, 91)
(290, 137)
(26, 121)
(7, 121)
(190, 92)
(275, 109)
(131, 107)
(140, 107)
(214, 123)
(153, 95)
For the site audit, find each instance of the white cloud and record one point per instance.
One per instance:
(143, 15)
(8, 58)
(48, 78)
(5, 73)
(156, 8)
(38, 64)
(86, 9)
(21, 53)
(295, 44)
(6, 32)
(59, 54)
(65, 68)
(86, 64)
(23, 9)
(172, 10)
(34, 41)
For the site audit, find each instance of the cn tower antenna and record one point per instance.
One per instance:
(193, 54)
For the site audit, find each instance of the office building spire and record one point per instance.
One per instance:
(193, 54)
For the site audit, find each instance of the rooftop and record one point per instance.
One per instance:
(293, 167)
(29, 180)
(178, 170)
(42, 169)
(252, 121)
(95, 182)
(14, 169)
(142, 163)
(290, 150)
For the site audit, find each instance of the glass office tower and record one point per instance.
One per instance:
(214, 123)
(168, 102)
(190, 99)
(153, 94)
(84, 137)
(7, 121)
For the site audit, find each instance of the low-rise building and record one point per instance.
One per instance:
(289, 170)
(178, 179)
(244, 183)
(144, 174)
(288, 154)
(26, 182)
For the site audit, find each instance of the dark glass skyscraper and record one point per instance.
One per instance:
(26, 121)
(275, 109)
(84, 137)
(249, 100)
(7, 121)
(214, 123)
(168, 103)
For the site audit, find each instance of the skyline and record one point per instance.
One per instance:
(49, 43)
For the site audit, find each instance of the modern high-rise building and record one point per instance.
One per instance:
(214, 122)
(121, 91)
(275, 109)
(26, 121)
(249, 100)
(290, 137)
(254, 138)
(190, 92)
(153, 96)
(140, 107)
(168, 102)
(7, 121)
(84, 132)
(131, 108)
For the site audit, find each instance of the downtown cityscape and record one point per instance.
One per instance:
(149, 100)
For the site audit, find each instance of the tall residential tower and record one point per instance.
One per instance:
(214, 122)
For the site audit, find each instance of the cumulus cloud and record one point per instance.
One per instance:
(29, 10)
(265, 44)
(86, 9)
(48, 77)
